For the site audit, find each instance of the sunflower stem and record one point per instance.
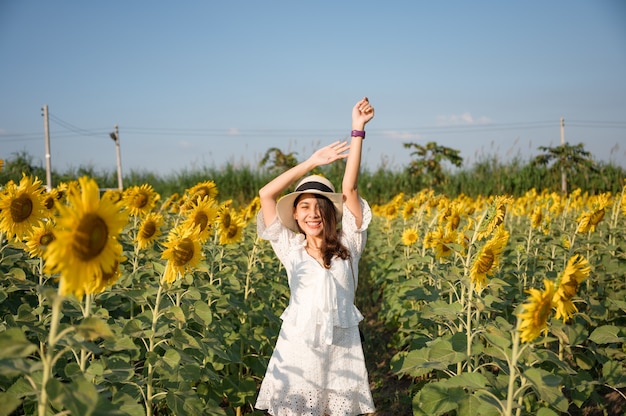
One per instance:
(86, 314)
(47, 354)
(151, 346)
(512, 372)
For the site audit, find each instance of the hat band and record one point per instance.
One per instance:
(314, 185)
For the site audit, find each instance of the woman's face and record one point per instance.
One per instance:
(308, 215)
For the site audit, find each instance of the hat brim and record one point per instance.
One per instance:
(284, 206)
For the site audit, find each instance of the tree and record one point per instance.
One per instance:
(565, 159)
(278, 161)
(429, 160)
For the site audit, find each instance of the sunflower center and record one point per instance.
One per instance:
(140, 200)
(542, 312)
(46, 239)
(202, 220)
(232, 231)
(148, 230)
(49, 202)
(184, 251)
(91, 237)
(455, 220)
(21, 208)
(596, 217)
(485, 262)
(226, 220)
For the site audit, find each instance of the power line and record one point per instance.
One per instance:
(72, 130)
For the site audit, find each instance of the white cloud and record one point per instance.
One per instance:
(464, 119)
(185, 144)
(401, 135)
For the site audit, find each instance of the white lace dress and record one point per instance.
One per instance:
(317, 366)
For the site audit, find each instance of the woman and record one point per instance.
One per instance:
(317, 367)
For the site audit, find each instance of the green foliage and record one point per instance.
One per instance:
(460, 347)
(429, 159)
(240, 183)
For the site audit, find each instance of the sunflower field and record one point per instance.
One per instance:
(127, 303)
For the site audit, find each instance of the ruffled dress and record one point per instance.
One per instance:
(317, 366)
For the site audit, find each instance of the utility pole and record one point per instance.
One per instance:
(47, 141)
(116, 138)
(563, 176)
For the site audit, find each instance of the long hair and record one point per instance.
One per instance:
(331, 244)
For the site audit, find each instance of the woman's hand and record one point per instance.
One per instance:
(362, 112)
(329, 154)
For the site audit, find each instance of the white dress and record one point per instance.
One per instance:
(317, 366)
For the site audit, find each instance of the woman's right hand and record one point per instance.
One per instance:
(329, 154)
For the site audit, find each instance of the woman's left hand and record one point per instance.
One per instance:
(362, 112)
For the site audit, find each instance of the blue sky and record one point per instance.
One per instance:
(202, 83)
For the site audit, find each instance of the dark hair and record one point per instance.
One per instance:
(331, 244)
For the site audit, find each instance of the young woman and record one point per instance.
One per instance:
(317, 367)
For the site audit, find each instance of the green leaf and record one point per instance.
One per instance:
(547, 386)
(497, 337)
(81, 397)
(544, 411)
(471, 381)
(56, 393)
(479, 404)
(92, 328)
(202, 313)
(117, 368)
(614, 374)
(437, 399)
(606, 334)
(13, 344)
(184, 402)
(171, 358)
(8, 403)
(176, 312)
(17, 273)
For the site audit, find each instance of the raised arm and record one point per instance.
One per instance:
(269, 193)
(362, 113)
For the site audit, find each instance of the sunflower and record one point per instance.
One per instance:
(441, 240)
(115, 195)
(623, 201)
(202, 215)
(149, 230)
(140, 200)
(172, 204)
(252, 209)
(588, 221)
(410, 208)
(488, 258)
(182, 251)
(455, 210)
(409, 236)
(202, 189)
(494, 216)
(50, 200)
(536, 217)
(234, 231)
(575, 272)
(86, 246)
(534, 318)
(39, 239)
(107, 278)
(21, 207)
(60, 191)
(390, 210)
(1, 164)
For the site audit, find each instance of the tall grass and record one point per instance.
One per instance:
(240, 183)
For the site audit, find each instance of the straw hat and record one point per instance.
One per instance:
(313, 184)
